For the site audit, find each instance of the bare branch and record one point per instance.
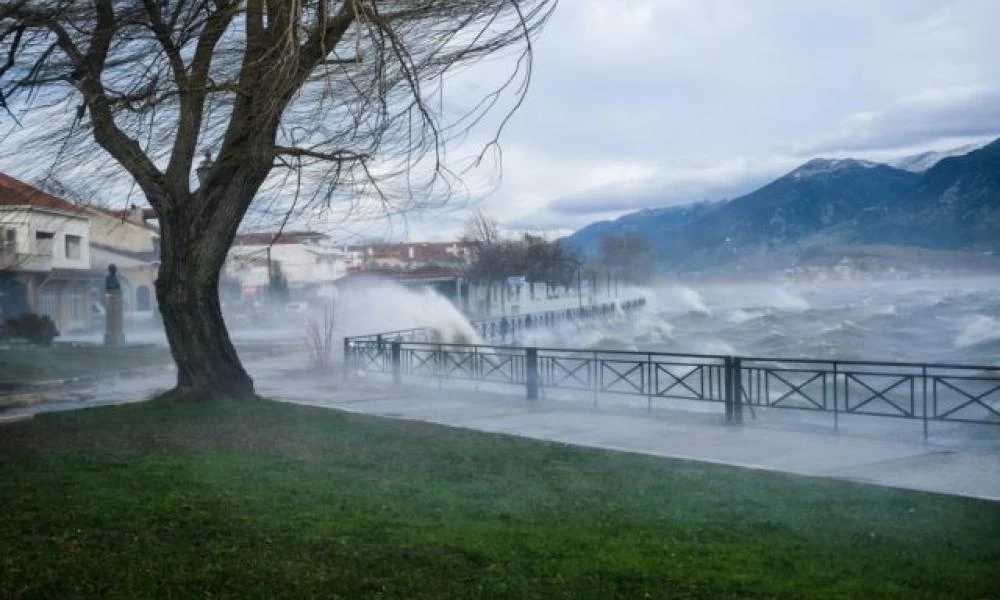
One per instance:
(334, 156)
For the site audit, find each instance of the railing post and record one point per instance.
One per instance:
(923, 376)
(650, 385)
(347, 357)
(397, 365)
(531, 373)
(728, 378)
(738, 389)
(836, 402)
(440, 359)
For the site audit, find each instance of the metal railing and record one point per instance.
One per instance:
(917, 391)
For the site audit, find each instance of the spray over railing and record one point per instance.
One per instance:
(510, 327)
(918, 391)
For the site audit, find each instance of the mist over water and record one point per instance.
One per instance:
(931, 320)
(942, 320)
(361, 309)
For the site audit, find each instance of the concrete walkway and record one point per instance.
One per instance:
(957, 459)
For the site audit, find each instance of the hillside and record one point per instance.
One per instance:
(952, 206)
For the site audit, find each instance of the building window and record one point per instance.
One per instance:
(8, 241)
(142, 302)
(73, 247)
(77, 304)
(43, 243)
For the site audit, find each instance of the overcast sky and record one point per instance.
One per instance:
(645, 103)
(639, 103)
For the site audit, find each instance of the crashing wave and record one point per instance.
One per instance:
(979, 330)
(691, 301)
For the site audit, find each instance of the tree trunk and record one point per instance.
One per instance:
(188, 294)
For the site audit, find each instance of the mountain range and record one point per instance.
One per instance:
(825, 209)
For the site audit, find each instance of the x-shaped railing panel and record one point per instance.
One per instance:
(622, 376)
(464, 366)
(566, 373)
(972, 399)
(422, 360)
(796, 390)
(373, 356)
(491, 366)
(678, 381)
(878, 394)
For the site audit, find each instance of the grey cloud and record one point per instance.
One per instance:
(972, 111)
(652, 193)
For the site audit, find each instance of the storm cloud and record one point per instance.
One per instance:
(645, 103)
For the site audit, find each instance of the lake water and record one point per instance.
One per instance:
(942, 320)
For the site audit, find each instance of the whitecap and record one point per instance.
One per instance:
(978, 330)
(742, 316)
(691, 300)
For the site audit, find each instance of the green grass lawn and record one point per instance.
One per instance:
(263, 499)
(25, 363)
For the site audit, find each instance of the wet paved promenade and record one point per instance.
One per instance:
(957, 458)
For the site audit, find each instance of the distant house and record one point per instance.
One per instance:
(408, 256)
(44, 256)
(127, 240)
(308, 261)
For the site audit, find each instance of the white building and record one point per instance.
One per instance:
(307, 261)
(44, 256)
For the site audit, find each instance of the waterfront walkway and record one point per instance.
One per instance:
(957, 459)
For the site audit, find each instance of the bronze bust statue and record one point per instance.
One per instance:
(111, 281)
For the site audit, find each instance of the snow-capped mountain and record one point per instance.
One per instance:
(826, 166)
(918, 163)
(954, 205)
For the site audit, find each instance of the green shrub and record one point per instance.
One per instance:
(37, 329)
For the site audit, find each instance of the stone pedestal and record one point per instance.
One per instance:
(114, 328)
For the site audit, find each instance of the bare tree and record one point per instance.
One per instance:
(481, 230)
(335, 99)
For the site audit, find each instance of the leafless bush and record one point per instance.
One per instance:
(321, 337)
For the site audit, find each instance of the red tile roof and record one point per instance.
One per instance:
(266, 238)
(14, 192)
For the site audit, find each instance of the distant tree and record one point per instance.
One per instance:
(481, 230)
(629, 257)
(548, 262)
(338, 100)
(277, 283)
(530, 256)
(492, 262)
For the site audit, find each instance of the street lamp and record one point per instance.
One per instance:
(204, 168)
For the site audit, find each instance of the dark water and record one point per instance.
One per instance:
(920, 321)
